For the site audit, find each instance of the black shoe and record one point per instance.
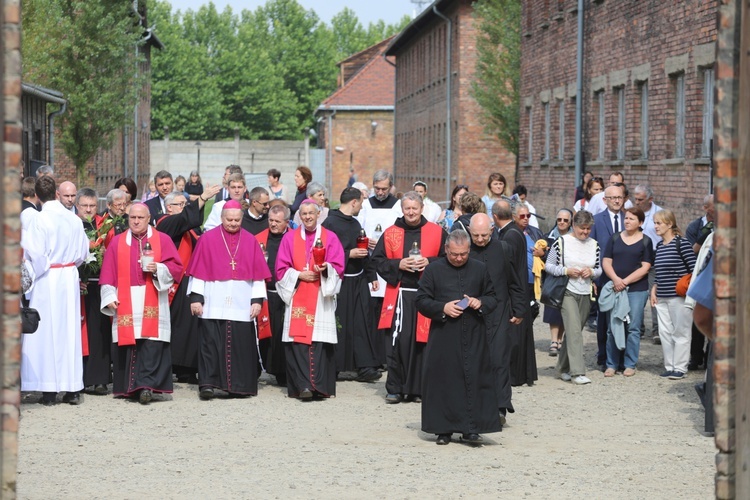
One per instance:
(443, 439)
(145, 396)
(503, 419)
(412, 398)
(207, 393)
(368, 375)
(72, 398)
(305, 395)
(471, 438)
(281, 380)
(49, 398)
(393, 399)
(101, 389)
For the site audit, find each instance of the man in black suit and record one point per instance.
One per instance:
(164, 186)
(605, 225)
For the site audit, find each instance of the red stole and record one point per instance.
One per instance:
(305, 300)
(150, 324)
(263, 321)
(431, 236)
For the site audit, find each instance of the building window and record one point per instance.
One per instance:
(644, 119)
(600, 123)
(708, 112)
(679, 116)
(530, 116)
(561, 131)
(620, 96)
(546, 131)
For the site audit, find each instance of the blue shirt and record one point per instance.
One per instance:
(702, 288)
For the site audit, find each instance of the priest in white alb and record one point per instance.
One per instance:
(135, 291)
(309, 289)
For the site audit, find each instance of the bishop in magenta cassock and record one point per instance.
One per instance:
(136, 294)
(227, 289)
(309, 292)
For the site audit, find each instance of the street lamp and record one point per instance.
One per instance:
(198, 145)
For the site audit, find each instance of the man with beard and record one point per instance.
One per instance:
(356, 348)
(459, 395)
(309, 287)
(255, 218)
(135, 291)
(227, 289)
(182, 224)
(96, 327)
(401, 271)
(271, 318)
(378, 213)
(508, 283)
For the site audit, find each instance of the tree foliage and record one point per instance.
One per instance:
(263, 72)
(498, 68)
(85, 49)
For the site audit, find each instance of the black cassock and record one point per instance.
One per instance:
(511, 302)
(272, 350)
(253, 225)
(523, 358)
(458, 388)
(185, 326)
(405, 359)
(357, 343)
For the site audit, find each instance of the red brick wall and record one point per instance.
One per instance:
(420, 147)
(361, 147)
(620, 36)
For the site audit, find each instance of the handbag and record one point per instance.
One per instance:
(553, 288)
(682, 285)
(29, 320)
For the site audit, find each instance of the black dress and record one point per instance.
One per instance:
(458, 388)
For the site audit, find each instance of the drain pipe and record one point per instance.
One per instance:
(448, 127)
(329, 173)
(51, 122)
(579, 97)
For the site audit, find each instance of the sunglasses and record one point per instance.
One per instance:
(524, 216)
(560, 219)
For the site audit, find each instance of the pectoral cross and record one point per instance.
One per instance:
(233, 264)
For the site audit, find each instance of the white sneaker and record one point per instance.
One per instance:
(581, 380)
(565, 377)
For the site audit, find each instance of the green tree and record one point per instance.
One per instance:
(85, 49)
(498, 68)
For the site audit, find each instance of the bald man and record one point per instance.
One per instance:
(66, 194)
(512, 305)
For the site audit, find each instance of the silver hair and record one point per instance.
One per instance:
(519, 204)
(644, 188)
(583, 218)
(171, 196)
(413, 196)
(45, 170)
(86, 193)
(115, 194)
(459, 237)
(309, 202)
(382, 175)
(709, 198)
(315, 188)
(282, 209)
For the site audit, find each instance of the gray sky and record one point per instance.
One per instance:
(367, 10)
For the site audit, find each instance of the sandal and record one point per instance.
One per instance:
(610, 372)
(629, 372)
(554, 347)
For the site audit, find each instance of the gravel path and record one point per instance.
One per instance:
(615, 438)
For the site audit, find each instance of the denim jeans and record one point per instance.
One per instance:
(633, 331)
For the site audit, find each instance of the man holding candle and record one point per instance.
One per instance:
(309, 267)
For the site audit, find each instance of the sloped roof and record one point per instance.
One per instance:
(372, 86)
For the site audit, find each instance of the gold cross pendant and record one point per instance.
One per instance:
(233, 264)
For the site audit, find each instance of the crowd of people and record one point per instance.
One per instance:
(146, 293)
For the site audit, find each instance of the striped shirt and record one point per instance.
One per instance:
(669, 266)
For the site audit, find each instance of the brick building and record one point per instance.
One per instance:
(422, 97)
(130, 152)
(648, 83)
(356, 121)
